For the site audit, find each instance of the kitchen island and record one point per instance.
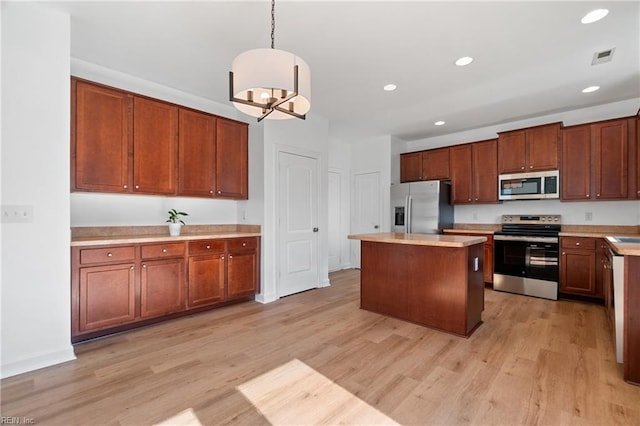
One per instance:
(431, 280)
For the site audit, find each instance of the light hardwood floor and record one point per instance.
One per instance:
(532, 361)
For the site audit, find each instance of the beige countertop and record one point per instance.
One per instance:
(625, 249)
(107, 235)
(420, 239)
(469, 231)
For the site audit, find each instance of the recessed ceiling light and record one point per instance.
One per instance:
(590, 89)
(465, 60)
(594, 15)
(439, 123)
(390, 87)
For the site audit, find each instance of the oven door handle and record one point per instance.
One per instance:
(531, 239)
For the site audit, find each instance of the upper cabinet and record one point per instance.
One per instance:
(125, 143)
(474, 173)
(425, 165)
(596, 164)
(231, 159)
(528, 150)
(100, 138)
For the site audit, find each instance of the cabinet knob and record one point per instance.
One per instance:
(211, 192)
(587, 195)
(164, 250)
(137, 186)
(125, 187)
(476, 198)
(208, 247)
(222, 257)
(230, 257)
(531, 167)
(577, 244)
(219, 192)
(522, 168)
(563, 253)
(144, 266)
(244, 244)
(109, 254)
(131, 268)
(469, 199)
(597, 195)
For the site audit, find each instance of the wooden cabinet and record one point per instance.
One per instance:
(206, 272)
(104, 292)
(100, 138)
(432, 164)
(474, 175)
(125, 143)
(232, 158)
(578, 266)
(576, 163)
(487, 266)
(196, 155)
(596, 163)
(242, 267)
(606, 278)
(531, 149)
(115, 288)
(411, 167)
(162, 279)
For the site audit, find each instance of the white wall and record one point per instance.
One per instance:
(36, 325)
(574, 213)
(310, 136)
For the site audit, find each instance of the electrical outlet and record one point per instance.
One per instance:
(588, 216)
(16, 214)
(476, 264)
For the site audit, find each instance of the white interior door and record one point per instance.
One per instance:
(366, 209)
(298, 223)
(335, 236)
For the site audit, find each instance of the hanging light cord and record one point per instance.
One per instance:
(273, 22)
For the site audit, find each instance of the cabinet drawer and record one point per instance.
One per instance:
(206, 246)
(107, 254)
(578, 242)
(151, 251)
(242, 244)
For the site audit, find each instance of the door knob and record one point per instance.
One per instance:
(375, 227)
(315, 229)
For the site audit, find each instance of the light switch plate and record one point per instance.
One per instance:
(16, 214)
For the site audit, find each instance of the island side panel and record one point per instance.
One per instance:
(631, 340)
(383, 278)
(444, 291)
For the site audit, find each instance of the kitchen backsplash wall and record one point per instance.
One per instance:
(575, 213)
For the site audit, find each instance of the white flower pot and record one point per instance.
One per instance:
(174, 229)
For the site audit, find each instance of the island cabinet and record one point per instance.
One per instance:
(487, 265)
(474, 174)
(579, 271)
(438, 286)
(596, 161)
(122, 142)
(530, 149)
(123, 286)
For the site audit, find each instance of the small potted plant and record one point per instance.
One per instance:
(175, 223)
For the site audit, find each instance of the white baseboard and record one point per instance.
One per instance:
(266, 298)
(37, 362)
(324, 283)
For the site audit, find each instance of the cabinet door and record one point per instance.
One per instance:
(435, 164)
(106, 296)
(411, 167)
(242, 276)
(231, 159)
(576, 163)
(542, 147)
(611, 146)
(155, 131)
(512, 152)
(206, 280)
(488, 260)
(485, 171)
(637, 157)
(162, 287)
(578, 272)
(101, 126)
(461, 174)
(196, 154)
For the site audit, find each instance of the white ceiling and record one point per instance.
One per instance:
(531, 58)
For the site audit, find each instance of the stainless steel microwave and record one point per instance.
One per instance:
(529, 186)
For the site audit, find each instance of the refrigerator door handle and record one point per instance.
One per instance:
(408, 203)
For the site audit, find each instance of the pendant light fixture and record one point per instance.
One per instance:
(270, 83)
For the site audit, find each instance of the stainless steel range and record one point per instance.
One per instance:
(526, 255)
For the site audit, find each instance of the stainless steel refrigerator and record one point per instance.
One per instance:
(421, 207)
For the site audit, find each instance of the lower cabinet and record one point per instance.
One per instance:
(487, 271)
(579, 269)
(114, 288)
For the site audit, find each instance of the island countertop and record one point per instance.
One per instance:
(420, 239)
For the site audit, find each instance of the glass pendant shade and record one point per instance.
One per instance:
(266, 76)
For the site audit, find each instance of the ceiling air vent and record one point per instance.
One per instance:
(602, 57)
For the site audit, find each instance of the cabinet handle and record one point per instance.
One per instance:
(137, 186)
(597, 195)
(577, 244)
(587, 195)
(211, 192)
(244, 244)
(131, 268)
(531, 167)
(109, 254)
(563, 253)
(125, 187)
(522, 168)
(164, 250)
(476, 199)
(230, 257)
(222, 258)
(219, 192)
(208, 247)
(144, 266)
